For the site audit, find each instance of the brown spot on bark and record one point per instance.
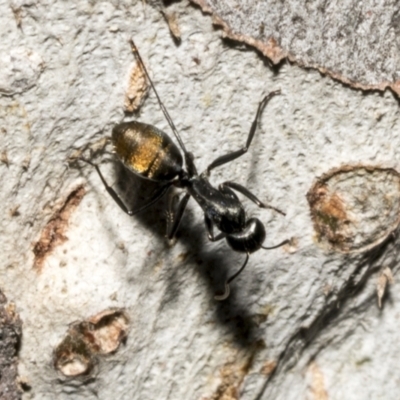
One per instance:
(385, 278)
(232, 374)
(53, 233)
(109, 329)
(17, 11)
(317, 383)
(355, 208)
(268, 367)
(14, 212)
(329, 213)
(72, 356)
(137, 89)
(173, 26)
(4, 158)
(100, 334)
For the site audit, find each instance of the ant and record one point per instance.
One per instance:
(151, 154)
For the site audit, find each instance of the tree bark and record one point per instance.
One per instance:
(109, 308)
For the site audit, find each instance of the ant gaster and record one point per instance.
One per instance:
(151, 154)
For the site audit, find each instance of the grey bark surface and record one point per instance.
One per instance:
(356, 42)
(302, 321)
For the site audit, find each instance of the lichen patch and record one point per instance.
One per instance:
(53, 233)
(355, 208)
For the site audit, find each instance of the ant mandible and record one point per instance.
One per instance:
(151, 154)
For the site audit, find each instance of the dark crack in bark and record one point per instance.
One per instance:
(10, 337)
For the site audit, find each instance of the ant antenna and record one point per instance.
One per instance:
(227, 291)
(278, 245)
(163, 109)
(274, 209)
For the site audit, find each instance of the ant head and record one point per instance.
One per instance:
(250, 239)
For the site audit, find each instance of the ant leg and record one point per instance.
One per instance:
(235, 154)
(227, 291)
(276, 246)
(157, 195)
(241, 189)
(172, 202)
(174, 218)
(210, 230)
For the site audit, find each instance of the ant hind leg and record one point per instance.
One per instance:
(175, 216)
(160, 192)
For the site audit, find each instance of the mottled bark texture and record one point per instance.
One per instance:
(356, 42)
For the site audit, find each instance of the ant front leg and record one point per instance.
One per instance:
(227, 290)
(241, 189)
(236, 154)
(227, 186)
(210, 230)
(175, 216)
(157, 194)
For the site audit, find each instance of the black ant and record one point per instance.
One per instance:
(151, 154)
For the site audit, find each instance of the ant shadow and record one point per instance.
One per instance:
(213, 266)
